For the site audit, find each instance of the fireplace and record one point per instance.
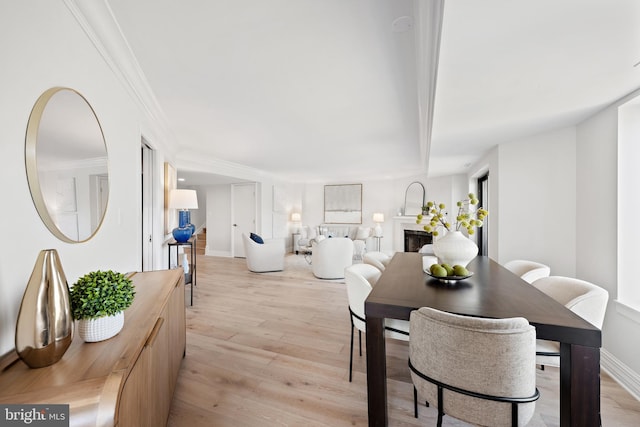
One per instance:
(415, 239)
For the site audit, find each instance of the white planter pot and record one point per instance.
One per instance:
(102, 328)
(455, 248)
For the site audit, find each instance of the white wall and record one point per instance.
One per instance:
(538, 200)
(532, 202)
(597, 238)
(556, 193)
(43, 46)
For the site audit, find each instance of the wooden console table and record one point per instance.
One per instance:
(127, 380)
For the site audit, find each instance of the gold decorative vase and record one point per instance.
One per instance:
(45, 326)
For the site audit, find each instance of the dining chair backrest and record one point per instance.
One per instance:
(489, 357)
(380, 260)
(529, 271)
(360, 279)
(583, 298)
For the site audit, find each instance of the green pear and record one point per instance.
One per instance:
(459, 270)
(438, 271)
(448, 268)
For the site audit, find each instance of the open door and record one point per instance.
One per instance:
(147, 206)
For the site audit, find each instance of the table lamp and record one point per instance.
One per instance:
(183, 200)
(378, 218)
(296, 219)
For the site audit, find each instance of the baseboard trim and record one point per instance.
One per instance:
(208, 252)
(621, 373)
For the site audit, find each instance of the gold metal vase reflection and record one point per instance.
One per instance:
(44, 329)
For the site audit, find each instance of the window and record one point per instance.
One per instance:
(628, 204)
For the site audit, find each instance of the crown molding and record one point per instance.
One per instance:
(99, 24)
(428, 17)
(193, 161)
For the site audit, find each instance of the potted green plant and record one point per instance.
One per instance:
(454, 248)
(98, 301)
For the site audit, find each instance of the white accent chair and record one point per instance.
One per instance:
(360, 242)
(360, 279)
(307, 234)
(478, 370)
(379, 260)
(583, 298)
(264, 257)
(529, 271)
(331, 256)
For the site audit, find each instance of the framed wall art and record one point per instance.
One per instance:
(343, 204)
(170, 183)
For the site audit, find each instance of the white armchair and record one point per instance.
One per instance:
(264, 257)
(331, 256)
(307, 234)
(360, 242)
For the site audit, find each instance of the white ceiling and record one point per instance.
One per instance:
(327, 89)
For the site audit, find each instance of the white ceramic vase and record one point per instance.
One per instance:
(102, 328)
(454, 248)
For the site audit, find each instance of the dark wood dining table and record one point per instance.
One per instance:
(494, 292)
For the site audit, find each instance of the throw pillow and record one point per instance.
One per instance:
(363, 233)
(256, 238)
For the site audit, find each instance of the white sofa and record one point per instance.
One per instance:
(358, 234)
(264, 257)
(331, 256)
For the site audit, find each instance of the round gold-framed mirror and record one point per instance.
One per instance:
(67, 164)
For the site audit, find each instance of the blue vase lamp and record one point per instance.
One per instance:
(183, 200)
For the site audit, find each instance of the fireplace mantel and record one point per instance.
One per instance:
(401, 223)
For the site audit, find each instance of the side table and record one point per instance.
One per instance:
(295, 237)
(190, 277)
(377, 242)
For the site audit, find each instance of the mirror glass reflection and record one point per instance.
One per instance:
(414, 199)
(66, 160)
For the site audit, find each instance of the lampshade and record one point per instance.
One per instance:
(183, 199)
(378, 217)
(295, 217)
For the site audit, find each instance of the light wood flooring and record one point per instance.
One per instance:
(272, 349)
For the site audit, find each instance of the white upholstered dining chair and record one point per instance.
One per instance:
(360, 279)
(478, 370)
(529, 271)
(583, 298)
(380, 260)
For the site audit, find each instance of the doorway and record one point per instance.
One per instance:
(483, 198)
(146, 180)
(243, 215)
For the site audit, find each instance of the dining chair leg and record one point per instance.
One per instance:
(440, 410)
(415, 402)
(351, 355)
(360, 341)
